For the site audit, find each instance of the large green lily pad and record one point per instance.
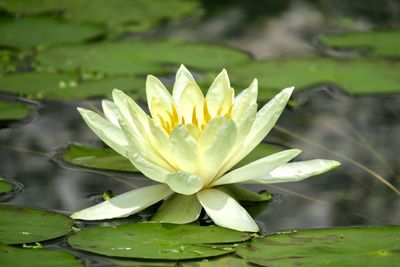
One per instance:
(368, 246)
(11, 256)
(385, 43)
(108, 159)
(157, 241)
(5, 186)
(13, 111)
(38, 85)
(140, 14)
(355, 76)
(24, 225)
(31, 32)
(139, 57)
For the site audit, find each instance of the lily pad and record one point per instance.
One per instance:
(13, 111)
(39, 85)
(369, 246)
(11, 256)
(138, 13)
(384, 43)
(157, 241)
(5, 186)
(355, 76)
(108, 159)
(97, 158)
(20, 225)
(139, 57)
(32, 32)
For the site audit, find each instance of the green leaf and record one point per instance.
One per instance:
(11, 256)
(24, 225)
(13, 111)
(31, 32)
(367, 246)
(97, 158)
(138, 13)
(5, 186)
(382, 43)
(355, 76)
(139, 57)
(157, 241)
(38, 85)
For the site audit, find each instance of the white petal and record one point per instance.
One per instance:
(183, 76)
(214, 144)
(125, 204)
(247, 98)
(106, 131)
(297, 171)
(219, 90)
(178, 209)
(191, 100)
(156, 91)
(183, 148)
(184, 183)
(257, 168)
(225, 211)
(110, 112)
(149, 169)
(265, 119)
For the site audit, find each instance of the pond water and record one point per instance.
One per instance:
(328, 119)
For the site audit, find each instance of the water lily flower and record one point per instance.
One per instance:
(188, 145)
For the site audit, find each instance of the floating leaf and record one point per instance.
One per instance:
(355, 76)
(31, 32)
(137, 13)
(13, 111)
(139, 57)
(5, 186)
(24, 225)
(38, 85)
(157, 241)
(97, 158)
(11, 256)
(369, 246)
(384, 43)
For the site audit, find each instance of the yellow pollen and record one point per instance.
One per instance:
(194, 117)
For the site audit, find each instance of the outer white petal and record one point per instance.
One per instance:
(257, 168)
(111, 112)
(178, 209)
(225, 211)
(149, 169)
(183, 148)
(125, 204)
(297, 171)
(265, 119)
(247, 98)
(215, 143)
(184, 183)
(183, 76)
(106, 131)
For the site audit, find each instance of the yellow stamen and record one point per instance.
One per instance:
(194, 117)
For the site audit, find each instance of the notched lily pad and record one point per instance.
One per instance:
(383, 43)
(9, 188)
(20, 225)
(139, 57)
(31, 32)
(11, 256)
(355, 76)
(367, 246)
(40, 85)
(158, 241)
